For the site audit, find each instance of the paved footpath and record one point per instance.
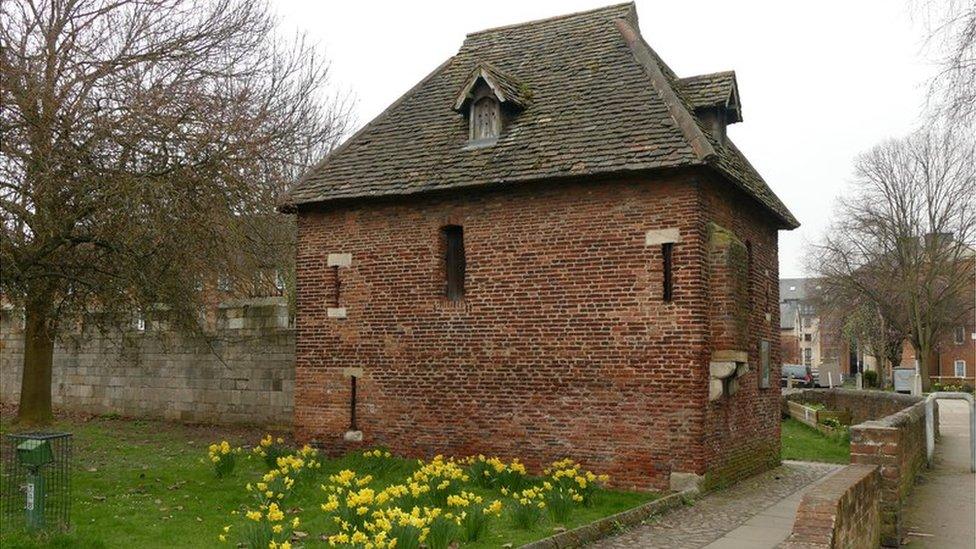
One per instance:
(756, 513)
(941, 510)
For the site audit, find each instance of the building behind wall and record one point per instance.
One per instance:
(549, 247)
(802, 333)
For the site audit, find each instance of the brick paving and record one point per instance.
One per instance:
(772, 494)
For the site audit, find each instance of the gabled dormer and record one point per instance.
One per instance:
(489, 99)
(715, 99)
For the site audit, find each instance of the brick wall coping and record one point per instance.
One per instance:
(906, 402)
(601, 528)
(823, 507)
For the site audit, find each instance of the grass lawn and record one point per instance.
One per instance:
(804, 443)
(147, 484)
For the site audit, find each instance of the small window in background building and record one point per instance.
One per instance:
(960, 335)
(223, 283)
(279, 280)
(139, 323)
(454, 261)
(960, 367)
(667, 251)
(808, 357)
(807, 337)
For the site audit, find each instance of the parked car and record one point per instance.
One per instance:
(802, 375)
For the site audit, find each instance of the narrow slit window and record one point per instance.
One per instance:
(666, 253)
(454, 263)
(749, 265)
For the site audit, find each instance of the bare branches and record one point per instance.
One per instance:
(951, 29)
(902, 243)
(143, 138)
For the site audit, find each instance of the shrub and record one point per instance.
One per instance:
(870, 378)
(831, 422)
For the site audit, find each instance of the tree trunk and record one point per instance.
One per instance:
(924, 358)
(35, 384)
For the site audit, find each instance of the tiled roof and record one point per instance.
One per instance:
(601, 102)
(507, 88)
(798, 289)
(709, 90)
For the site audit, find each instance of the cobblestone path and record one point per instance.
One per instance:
(724, 518)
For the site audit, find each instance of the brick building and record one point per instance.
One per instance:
(548, 247)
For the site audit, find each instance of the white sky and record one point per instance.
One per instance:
(819, 81)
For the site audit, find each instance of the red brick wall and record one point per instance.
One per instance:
(789, 346)
(889, 433)
(742, 431)
(840, 512)
(897, 445)
(561, 347)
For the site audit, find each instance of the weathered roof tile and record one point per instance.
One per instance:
(592, 111)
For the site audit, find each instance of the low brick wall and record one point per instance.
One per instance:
(889, 434)
(242, 373)
(841, 512)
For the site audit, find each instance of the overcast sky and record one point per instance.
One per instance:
(819, 81)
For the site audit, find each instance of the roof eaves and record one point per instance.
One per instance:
(646, 57)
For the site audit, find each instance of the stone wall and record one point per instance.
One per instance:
(890, 434)
(840, 512)
(244, 373)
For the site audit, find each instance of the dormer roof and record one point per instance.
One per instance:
(507, 89)
(716, 90)
(602, 103)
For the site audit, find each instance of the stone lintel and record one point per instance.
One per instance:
(353, 436)
(730, 355)
(336, 312)
(339, 260)
(352, 372)
(656, 237)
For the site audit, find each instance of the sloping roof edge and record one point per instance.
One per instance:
(686, 122)
(286, 205)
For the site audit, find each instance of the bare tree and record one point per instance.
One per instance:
(901, 245)
(951, 30)
(144, 144)
(861, 325)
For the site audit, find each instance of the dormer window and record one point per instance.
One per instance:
(489, 98)
(485, 120)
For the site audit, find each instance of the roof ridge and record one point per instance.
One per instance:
(687, 124)
(554, 18)
(707, 74)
